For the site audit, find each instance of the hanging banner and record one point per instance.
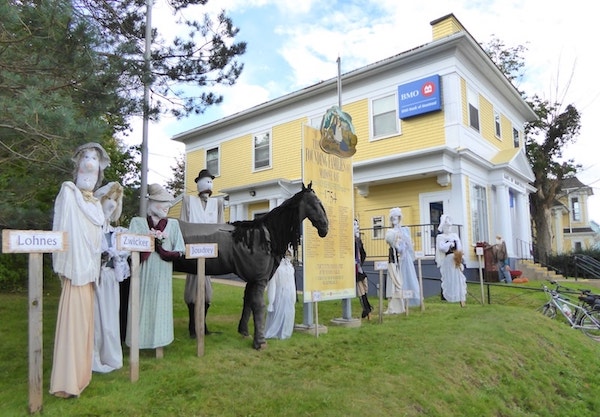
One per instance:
(328, 262)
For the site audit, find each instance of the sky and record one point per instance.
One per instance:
(293, 44)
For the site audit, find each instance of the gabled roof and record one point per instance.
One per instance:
(516, 161)
(571, 184)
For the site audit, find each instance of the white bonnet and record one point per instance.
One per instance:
(104, 159)
(396, 211)
(444, 219)
(114, 190)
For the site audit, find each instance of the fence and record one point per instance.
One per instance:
(422, 235)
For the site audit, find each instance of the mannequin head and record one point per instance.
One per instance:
(396, 216)
(445, 224)
(356, 228)
(158, 209)
(90, 161)
(111, 198)
(159, 201)
(499, 240)
(204, 182)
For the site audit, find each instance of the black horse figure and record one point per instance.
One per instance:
(252, 249)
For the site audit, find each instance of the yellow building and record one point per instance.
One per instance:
(440, 130)
(571, 230)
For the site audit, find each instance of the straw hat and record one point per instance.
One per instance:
(156, 192)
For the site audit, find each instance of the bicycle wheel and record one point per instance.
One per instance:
(549, 310)
(590, 325)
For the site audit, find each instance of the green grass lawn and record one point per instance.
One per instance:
(503, 359)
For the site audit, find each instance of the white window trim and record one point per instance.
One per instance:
(498, 134)
(473, 98)
(373, 228)
(269, 166)
(218, 148)
(372, 136)
(514, 129)
(485, 233)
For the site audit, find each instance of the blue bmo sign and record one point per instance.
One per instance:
(418, 97)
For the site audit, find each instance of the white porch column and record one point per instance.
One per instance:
(558, 226)
(272, 203)
(523, 232)
(502, 220)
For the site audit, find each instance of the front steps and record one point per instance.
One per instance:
(533, 271)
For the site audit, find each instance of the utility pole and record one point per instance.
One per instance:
(146, 79)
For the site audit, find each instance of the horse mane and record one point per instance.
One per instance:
(277, 229)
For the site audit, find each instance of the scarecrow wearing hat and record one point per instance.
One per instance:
(156, 271)
(200, 208)
(78, 213)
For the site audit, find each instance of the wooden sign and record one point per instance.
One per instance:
(135, 243)
(201, 250)
(33, 241)
(380, 265)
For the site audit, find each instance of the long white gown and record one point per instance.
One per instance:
(281, 310)
(454, 282)
(81, 216)
(401, 257)
(108, 354)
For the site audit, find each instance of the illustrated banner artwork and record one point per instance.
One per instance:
(328, 262)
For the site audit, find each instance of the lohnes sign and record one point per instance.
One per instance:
(33, 241)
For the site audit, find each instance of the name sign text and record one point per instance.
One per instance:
(380, 265)
(28, 241)
(201, 250)
(135, 243)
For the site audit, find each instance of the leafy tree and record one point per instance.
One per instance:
(177, 184)
(545, 140)
(557, 126)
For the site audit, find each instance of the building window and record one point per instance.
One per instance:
(479, 214)
(377, 223)
(385, 118)
(212, 161)
(575, 209)
(473, 101)
(262, 150)
(497, 125)
(515, 138)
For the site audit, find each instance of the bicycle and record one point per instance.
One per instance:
(584, 316)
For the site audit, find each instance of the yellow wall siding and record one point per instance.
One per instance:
(446, 27)
(465, 104)
(194, 162)
(260, 207)
(487, 124)
(382, 198)
(287, 149)
(506, 130)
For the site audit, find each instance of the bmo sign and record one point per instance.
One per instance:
(418, 97)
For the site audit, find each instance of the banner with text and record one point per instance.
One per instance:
(328, 262)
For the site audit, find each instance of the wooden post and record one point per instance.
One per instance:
(135, 244)
(199, 313)
(200, 251)
(479, 252)
(35, 331)
(134, 309)
(36, 243)
(380, 266)
(422, 300)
